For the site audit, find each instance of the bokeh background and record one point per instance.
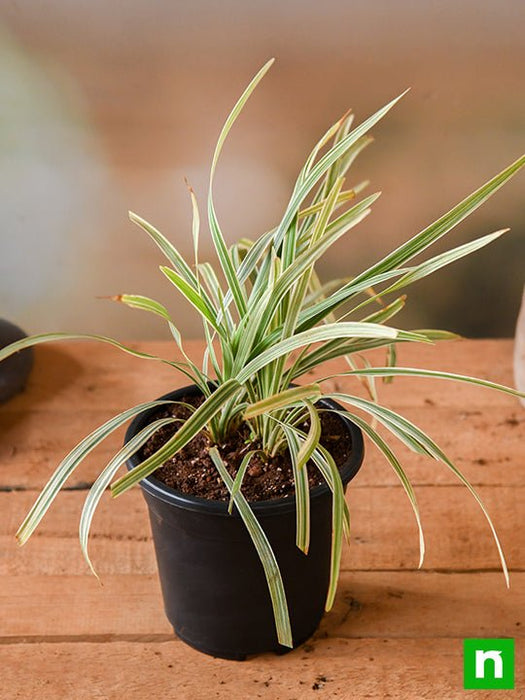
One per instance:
(107, 106)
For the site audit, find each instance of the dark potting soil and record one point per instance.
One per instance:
(191, 470)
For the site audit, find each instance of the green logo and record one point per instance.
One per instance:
(488, 663)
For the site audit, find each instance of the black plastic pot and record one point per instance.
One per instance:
(213, 584)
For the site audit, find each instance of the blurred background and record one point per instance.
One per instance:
(108, 106)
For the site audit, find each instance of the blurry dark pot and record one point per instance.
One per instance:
(213, 584)
(15, 370)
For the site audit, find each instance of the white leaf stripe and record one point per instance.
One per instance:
(104, 478)
(409, 433)
(218, 239)
(443, 225)
(435, 374)
(302, 495)
(446, 258)
(329, 470)
(400, 472)
(204, 413)
(169, 250)
(237, 482)
(324, 164)
(33, 340)
(265, 552)
(312, 439)
(71, 462)
(315, 335)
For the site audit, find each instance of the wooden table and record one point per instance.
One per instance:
(393, 632)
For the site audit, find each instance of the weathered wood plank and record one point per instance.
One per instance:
(91, 375)
(175, 672)
(384, 534)
(369, 604)
(39, 427)
(489, 450)
(382, 637)
(334, 668)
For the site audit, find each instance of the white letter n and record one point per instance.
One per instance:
(482, 656)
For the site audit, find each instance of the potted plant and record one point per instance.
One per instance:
(244, 471)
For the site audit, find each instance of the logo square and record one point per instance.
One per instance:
(488, 664)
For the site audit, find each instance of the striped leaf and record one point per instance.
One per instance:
(266, 555)
(169, 250)
(284, 399)
(104, 478)
(412, 436)
(70, 463)
(216, 233)
(136, 301)
(204, 413)
(436, 374)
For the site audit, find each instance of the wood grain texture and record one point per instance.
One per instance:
(384, 534)
(488, 451)
(38, 427)
(369, 604)
(346, 669)
(393, 632)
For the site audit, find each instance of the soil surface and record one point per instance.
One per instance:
(191, 470)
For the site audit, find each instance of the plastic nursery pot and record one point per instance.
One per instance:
(213, 584)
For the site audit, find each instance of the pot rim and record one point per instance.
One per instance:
(165, 493)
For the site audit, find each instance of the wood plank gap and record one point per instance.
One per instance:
(79, 486)
(167, 638)
(433, 570)
(89, 638)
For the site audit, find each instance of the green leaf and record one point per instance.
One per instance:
(304, 186)
(443, 225)
(266, 555)
(325, 463)
(387, 312)
(305, 260)
(197, 298)
(302, 490)
(347, 118)
(284, 399)
(314, 314)
(312, 439)
(214, 288)
(237, 482)
(321, 291)
(70, 463)
(343, 197)
(413, 436)
(32, 340)
(216, 233)
(102, 482)
(400, 472)
(169, 250)
(204, 413)
(412, 372)
(446, 258)
(136, 301)
(329, 331)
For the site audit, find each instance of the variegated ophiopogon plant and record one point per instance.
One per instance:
(273, 323)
